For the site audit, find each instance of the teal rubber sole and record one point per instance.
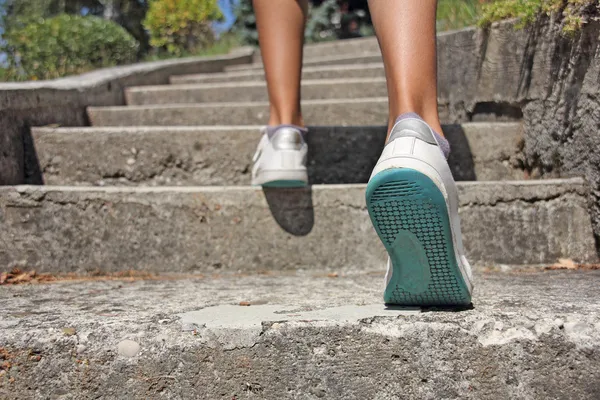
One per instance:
(410, 216)
(284, 184)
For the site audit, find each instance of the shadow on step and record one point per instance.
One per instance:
(393, 307)
(340, 154)
(461, 157)
(19, 163)
(33, 170)
(292, 209)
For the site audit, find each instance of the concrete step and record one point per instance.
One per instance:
(528, 336)
(324, 227)
(348, 88)
(336, 112)
(347, 47)
(374, 70)
(368, 58)
(369, 111)
(188, 156)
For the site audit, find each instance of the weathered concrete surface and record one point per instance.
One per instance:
(346, 88)
(324, 227)
(453, 45)
(339, 48)
(12, 152)
(374, 70)
(187, 156)
(529, 336)
(347, 47)
(551, 80)
(374, 57)
(562, 110)
(371, 111)
(344, 112)
(63, 101)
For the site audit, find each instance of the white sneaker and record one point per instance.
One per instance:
(280, 159)
(413, 203)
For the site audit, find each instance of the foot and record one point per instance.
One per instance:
(280, 159)
(413, 203)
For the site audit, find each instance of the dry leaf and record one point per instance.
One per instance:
(563, 263)
(567, 263)
(25, 277)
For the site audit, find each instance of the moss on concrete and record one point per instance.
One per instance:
(572, 14)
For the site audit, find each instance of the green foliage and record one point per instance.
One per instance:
(328, 21)
(64, 45)
(181, 26)
(525, 10)
(456, 14)
(573, 14)
(127, 13)
(325, 22)
(223, 45)
(245, 23)
(21, 12)
(321, 24)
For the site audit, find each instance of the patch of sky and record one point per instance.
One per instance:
(228, 10)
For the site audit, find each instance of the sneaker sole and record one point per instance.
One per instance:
(284, 184)
(410, 216)
(281, 179)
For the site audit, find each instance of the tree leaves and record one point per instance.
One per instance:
(67, 44)
(181, 26)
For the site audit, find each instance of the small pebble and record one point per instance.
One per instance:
(69, 331)
(128, 348)
(188, 327)
(162, 338)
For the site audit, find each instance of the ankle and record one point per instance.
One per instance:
(285, 118)
(426, 110)
(439, 136)
(298, 121)
(432, 120)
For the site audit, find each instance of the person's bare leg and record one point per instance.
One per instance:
(281, 35)
(406, 34)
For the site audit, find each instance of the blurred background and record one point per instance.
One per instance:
(46, 39)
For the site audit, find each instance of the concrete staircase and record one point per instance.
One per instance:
(160, 187)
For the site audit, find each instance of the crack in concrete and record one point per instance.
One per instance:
(570, 194)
